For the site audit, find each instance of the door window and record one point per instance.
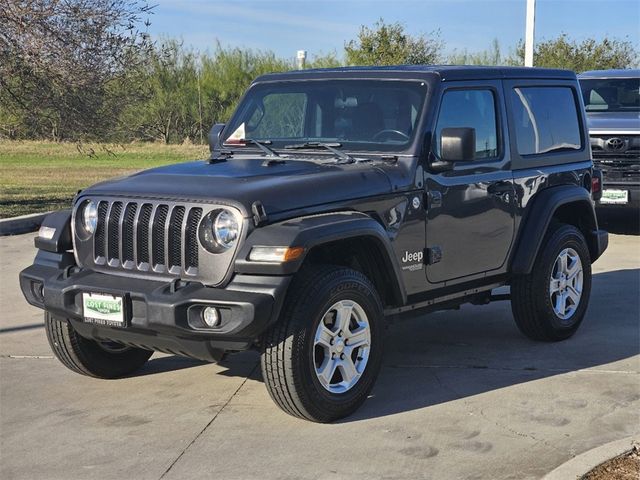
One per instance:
(470, 109)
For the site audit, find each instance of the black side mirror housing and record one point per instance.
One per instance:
(214, 136)
(458, 144)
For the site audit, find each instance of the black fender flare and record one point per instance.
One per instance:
(538, 217)
(61, 238)
(315, 230)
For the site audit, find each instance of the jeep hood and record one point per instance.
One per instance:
(619, 122)
(291, 185)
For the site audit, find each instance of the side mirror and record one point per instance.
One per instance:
(214, 136)
(458, 144)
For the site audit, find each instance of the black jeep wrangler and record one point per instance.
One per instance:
(332, 200)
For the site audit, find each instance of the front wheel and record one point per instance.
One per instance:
(549, 304)
(320, 361)
(90, 357)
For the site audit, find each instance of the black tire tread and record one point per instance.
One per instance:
(525, 290)
(282, 383)
(79, 354)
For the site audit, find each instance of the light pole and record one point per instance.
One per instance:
(529, 33)
(301, 57)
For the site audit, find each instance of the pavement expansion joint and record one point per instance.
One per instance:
(22, 357)
(208, 424)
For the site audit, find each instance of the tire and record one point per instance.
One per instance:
(533, 301)
(90, 357)
(297, 347)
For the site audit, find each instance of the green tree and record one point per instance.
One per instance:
(389, 44)
(329, 60)
(491, 56)
(589, 54)
(61, 61)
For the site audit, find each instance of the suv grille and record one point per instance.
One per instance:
(142, 236)
(618, 156)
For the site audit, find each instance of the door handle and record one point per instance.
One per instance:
(500, 188)
(503, 190)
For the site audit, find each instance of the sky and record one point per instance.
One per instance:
(323, 26)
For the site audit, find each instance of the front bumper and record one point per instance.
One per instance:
(159, 315)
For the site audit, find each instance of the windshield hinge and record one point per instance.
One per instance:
(259, 213)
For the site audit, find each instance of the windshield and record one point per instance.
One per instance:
(362, 115)
(611, 94)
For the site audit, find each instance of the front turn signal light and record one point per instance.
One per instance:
(275, 254)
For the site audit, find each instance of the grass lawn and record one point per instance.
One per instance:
(42, 176)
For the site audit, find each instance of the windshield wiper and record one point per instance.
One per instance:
(262, 145)
(327, 146)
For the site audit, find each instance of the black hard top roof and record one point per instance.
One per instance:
(445, 72)
(613, 73)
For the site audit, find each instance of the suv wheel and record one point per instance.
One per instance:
(321, 359)
(89, 357)
(550, 303)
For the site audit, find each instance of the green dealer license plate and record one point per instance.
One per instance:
(103, 309)
(615, 196)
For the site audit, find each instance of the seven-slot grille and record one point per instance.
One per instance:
(153, 237)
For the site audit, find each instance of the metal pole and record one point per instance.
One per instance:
(530, 33)
(301, 57)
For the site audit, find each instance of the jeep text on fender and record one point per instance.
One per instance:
(332, 199)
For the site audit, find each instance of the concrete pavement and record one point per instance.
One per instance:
(461, 395)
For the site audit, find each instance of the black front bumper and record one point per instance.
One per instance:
(159, 315)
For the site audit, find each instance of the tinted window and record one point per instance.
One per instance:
(359, 114)
(472, 109)
(546, 119)
(611, 94)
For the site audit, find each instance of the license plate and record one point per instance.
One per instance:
(614, 196)
(103, 309)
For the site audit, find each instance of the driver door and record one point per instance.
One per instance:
(471, 209)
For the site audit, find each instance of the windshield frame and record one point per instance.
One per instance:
(587, 80)
(410, 148)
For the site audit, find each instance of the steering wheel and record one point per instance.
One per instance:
(387, 131)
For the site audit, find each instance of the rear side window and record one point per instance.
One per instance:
(546, 120)
(471, 109)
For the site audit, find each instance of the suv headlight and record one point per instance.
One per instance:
(219, 230)
(89, 216)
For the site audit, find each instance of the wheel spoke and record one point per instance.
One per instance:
(574, 295)
(327, 370)
(554, 285)
(574, 266)
(348, 370)
(562, 259)
(359, 338)
(561, 303)
(323, 336)
(343, 317)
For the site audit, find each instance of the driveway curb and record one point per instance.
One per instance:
(585, 462)
(22, 224)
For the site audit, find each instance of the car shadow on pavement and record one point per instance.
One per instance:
(167, 363)
(452, 355)
(624, 222)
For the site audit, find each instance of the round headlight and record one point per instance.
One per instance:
(90, 216)
(219, 231)
(226, 229)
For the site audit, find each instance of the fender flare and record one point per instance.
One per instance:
(60, 240)
(315, 230)
(538, 218)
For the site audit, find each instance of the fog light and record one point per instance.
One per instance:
(211, 316)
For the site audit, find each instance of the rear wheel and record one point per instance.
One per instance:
(549, 304)
(90, 357)
(321, 359)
